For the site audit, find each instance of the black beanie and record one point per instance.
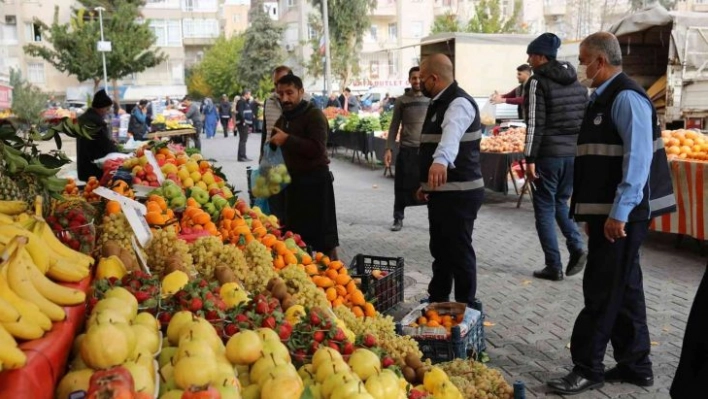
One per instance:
(101, 100)
(547, 44)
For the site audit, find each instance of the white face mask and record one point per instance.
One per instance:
(583, 78)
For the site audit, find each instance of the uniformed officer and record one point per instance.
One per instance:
(451, 180)
(409, 112)
(621, 181)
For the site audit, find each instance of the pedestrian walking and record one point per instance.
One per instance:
(408, 117)
(225, 114)
(451, 180)
(301, 133)
(554, 111)
(271, 113)
(137, 125)
(622, 180)
(211, 118)
(192, 114)
(244, 123)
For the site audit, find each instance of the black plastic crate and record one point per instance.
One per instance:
(457, 346)
(386, 292)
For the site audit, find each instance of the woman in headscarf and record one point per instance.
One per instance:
(211, 118)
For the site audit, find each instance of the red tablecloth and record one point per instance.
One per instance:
(46, 358)
(690, 181)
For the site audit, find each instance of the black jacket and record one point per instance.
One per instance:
(225, 109)
(554, 103)
(89, 150)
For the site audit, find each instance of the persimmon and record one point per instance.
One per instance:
(278, 262)
(369, 310)
(341, 290)
(331, 294)
(342, 279)
(290, 258)
(332, 274)
(311, 270)
(433, 323)
(228, 213)
(112, 207)
(358, 298)
(422, 320)
(306, 259)
(336, 265)
(358, 312)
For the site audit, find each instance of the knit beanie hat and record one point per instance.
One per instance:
(101, 100)
(547, 44)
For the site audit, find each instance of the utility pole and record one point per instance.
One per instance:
(102, 47)
(328, 58)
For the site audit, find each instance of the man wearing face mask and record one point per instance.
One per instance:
(301, 132)
(451, 180)
(554, 107)
(622, 180)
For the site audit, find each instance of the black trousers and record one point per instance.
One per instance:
(451, 216)
(407, 181)
(692, 372)
(225, 126)
(614, 310)
(276, 203)
(242, 140)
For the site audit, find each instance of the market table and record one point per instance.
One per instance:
(690, 180)
(497, 168)
(46, 357)
(186, 134)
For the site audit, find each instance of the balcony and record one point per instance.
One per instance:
(385, 8)
(554, 8)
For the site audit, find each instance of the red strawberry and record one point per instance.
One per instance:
(416, 394)
(141, 296)
(284, 331)
(262, 307)
(314, 346)
(268, 322)
(315, 319)
(387, 362)
(112, 281)
(333, 345)
(242, 318)
(212, 315)
(318, 336)
(203, 283)
(165, 317)
(348, 348)
(273, 304)
(369, 340)
(195, 305)
(231, 329)
(339, 335)
(300, 355)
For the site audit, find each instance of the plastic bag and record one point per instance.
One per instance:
(271, 176)
(488, 114)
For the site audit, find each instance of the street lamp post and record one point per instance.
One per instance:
(102, 49)
(328, 58)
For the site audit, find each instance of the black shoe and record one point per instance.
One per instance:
(397, 225)
(576, 264)
(573, 384)
(549, 273)
(617, 375)
(245, 160)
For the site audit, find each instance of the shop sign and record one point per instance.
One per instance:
(5, 97)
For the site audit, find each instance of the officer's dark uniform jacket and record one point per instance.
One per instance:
(598, 165)
(467, 173)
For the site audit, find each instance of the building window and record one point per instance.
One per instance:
(200, 5)
(236, 18)
(163, 3)
(290, 3)
(417, 29)
(374, 32)
(9, 30)
(311, 32)
(374, 69)
(392, 32)
(35, 72)
(168, 32)
(200, 28)
(177, 71)
(33, 32)
(392, 64)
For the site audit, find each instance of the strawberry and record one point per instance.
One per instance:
(284, 331)
(387, 362)
(268, 322)
(339, 335)
(314, 346)
(203, 283)
(242, 318)
(416, 394)
(318, 336)
(262, 307)
(333, 345)
(369, 340)
(231, 329)
(141, 296)
(348, 348)
(315, 319)
(165, 317)
(212, 315)
(273, 304)
(300, 355)
(195, 305)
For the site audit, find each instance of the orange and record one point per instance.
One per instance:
(342, 279)
(268, 240)
(204, 165)
(228, 213)
(331, 274)
(280, 248)
(318, 256)
(201, 218)
(153, 206)
(369, 310)
(357, 311)
(112, 207)
(422, 320)
(311, 270)
(331, 294)
(155, 218)
(446, 319)
(358, 298)
(290, 258)
(433, 323)
(306, 259)
(191, 202)
(211, 228)
(278, 262)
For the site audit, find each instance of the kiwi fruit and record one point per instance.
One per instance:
(272, 283)
(413, 361)
(420, 372)
(409, 374)
(279, 290)
(129, 261)
(110, 248)
(287, 302)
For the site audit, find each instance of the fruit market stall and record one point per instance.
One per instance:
(688, 155)
(201, 295)
(499, 154)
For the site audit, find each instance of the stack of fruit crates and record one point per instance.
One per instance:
(381, 279)
(464, 340)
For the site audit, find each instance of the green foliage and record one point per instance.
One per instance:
(348, 20)
(385, 120)
(369, 124)
(28, 101)
(216, 74)
(262, 49)
(73, 45)
(488, 18)
(445, 23)
(352, 123)
(641, 4)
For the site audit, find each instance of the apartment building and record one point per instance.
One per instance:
(184, 29)
(235, 16)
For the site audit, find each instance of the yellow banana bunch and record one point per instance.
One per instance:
(12, 207)
(35, 245)
(70, 265)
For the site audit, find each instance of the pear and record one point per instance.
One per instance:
(336, 380)
(194, 371)
(283, 387)
(262, 366)
(322, 354)
(252, 391)
(118, 304)
(126, 296)
(166, 355)
(195, 348)
(278, 371)
(276, 348)
(328, 368)
(268, 334)
(142, 377)
(244, 347)
(364, 363)
(228, 392)
(148, 339)
(172, 394)
(347, 389)
(148, 320)
(178, 321)
(75, 380)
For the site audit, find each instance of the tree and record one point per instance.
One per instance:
(73, 45)
(216, 74)
(488, 18)
(28, 101)
(262, 51)
(348, 20)
(445, 23)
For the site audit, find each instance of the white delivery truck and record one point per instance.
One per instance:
(667, 53)
(483, 63)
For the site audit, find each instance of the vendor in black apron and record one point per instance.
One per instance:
(408, 111)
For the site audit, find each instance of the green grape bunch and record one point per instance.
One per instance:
(164, 245)
(303, 290)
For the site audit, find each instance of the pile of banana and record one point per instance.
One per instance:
(32, 260)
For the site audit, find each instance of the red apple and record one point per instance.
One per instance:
(154, 184)
(215, 191)
(137, 180)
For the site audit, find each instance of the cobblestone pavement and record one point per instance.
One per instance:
(532, 319)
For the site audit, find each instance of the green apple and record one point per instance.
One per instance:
(178, 202)
(199, 195)
(143, 160)
(208, 207)
(172, 191)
